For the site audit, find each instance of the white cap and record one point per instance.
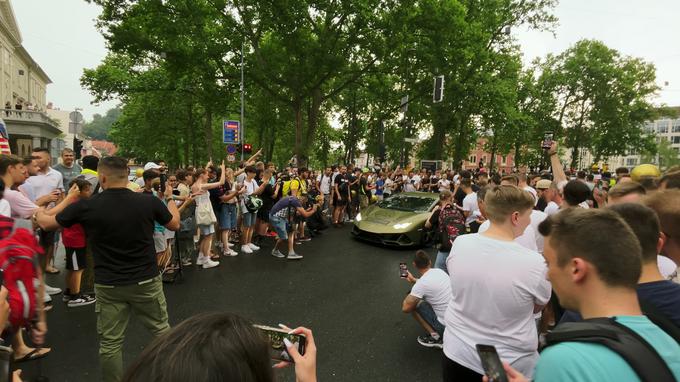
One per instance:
(151, 166)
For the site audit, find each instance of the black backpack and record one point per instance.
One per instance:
(635, 350)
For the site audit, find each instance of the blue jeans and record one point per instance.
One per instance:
(427, 313)
(440, 261)
(227, 217)
(280, 226)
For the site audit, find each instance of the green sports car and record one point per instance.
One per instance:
(398, 220)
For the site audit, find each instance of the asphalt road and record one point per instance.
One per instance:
(348, 292)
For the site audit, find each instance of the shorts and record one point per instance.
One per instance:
(160, 242)
(281, 226)
(227, 217)
(206, 229)
(48, 238)
(263, 213)
(76, 259)
(248, 219)
(340, 202)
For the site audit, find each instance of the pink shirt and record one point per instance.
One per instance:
(21, 206)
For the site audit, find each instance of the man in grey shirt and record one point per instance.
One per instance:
(68, 167)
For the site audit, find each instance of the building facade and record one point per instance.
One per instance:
(478, 155)
(23, 87)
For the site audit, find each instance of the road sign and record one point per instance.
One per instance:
(412, 140)
(75, 117)
(232, 149)
(231, 158)
(438, 92)
(231, 132)
(404, 104)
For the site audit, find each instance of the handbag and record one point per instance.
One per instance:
(205, 214)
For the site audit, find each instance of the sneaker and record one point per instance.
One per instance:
(66, 297)
(52, 290)
(210, 264)
(230, 252)
(77, 301)
(246, 249)
(430, 342)
(305, 238)
(254, 247)
(200, 260)
(294, 256)
(230, 244)
(277, 253)
(47, 298)
(186, 262)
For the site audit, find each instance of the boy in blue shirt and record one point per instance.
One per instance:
(597, 277)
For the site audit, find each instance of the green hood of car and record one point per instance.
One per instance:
(380, 220)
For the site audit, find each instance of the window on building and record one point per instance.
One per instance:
(662, 127)
(675, 140)
(473, 159)
(631, 162)
(649, 127)
(676, 126)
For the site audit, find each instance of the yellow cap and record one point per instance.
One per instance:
(645, 171)
(139, 172)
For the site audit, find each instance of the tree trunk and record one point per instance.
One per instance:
(209, 132)
(187, 134)
(492, 162)
(297, 110)
(312, 124)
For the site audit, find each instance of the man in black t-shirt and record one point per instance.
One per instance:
(120, 225)
(341, 195)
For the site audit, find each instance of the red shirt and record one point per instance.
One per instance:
(74, 236)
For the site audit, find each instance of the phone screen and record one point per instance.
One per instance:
(547, 140)
(278, 349)
(491, 362)
(403, 271)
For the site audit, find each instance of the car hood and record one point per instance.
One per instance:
(375, 219)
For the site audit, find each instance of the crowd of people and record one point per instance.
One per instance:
(499, 236)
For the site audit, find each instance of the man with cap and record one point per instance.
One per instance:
(541, 187)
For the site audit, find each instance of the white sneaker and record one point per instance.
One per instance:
(294, 256)
(230, 252)
(246, 249)
(230, 244)
(277, 253)
(210, 264)
(201, 259)
(254, 247)
(52, 290)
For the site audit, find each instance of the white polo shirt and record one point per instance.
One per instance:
(44, 184)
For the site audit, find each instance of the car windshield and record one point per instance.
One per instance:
(406, 203)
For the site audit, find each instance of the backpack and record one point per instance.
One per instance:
(287, 186)
(451, 225)
(19, 263)
(635, 350)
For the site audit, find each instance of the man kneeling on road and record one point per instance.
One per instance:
(598, 278)
(428, 299)
(282, 218)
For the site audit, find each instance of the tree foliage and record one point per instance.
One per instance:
(100, 125)
(323, 80)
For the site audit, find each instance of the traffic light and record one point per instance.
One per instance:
(438, 93)
(247, 148)
(77, 147)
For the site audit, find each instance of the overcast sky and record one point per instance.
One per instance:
(61, 37)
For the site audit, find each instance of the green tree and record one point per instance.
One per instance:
(664, 155)
(601, 99)
(100, 125)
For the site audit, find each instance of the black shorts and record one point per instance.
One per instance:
(76, 259)
(340, 202)
(48, 238)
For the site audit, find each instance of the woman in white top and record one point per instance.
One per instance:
(444, 183)
(200, 190)
(497, 286)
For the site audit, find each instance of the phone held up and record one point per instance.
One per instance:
(547, 140)
(403, 271)
(278, 349)
(491, 363)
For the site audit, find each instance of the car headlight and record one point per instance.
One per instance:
(358, 217)
(401, 225)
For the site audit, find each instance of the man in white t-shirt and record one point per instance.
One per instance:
(428, 299)
(499, 309)
(470, 207)
(323, 184)
(409, 182)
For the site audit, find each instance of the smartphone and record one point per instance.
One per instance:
(403, 271)
(164, 179)
(491, 363)
(2, 277)
(277, 347)
(547, 140)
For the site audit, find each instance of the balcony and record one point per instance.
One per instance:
(28, 123)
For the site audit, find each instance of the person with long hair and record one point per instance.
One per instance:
(207, 229)
(229, 211)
